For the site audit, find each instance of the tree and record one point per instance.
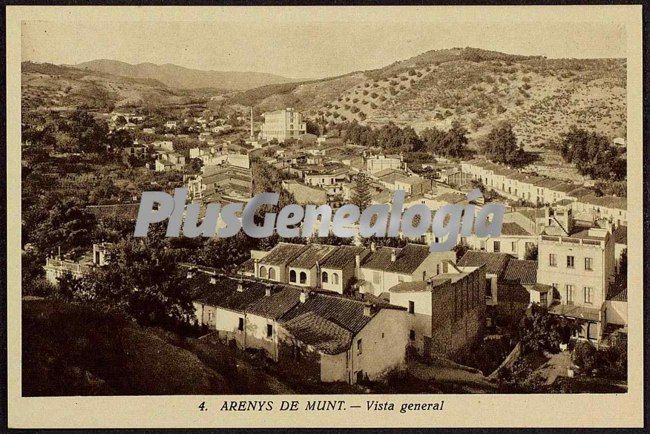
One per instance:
(450, 143)
(500, 145)
(361, 192)
(195, 165)
(119, 139)
(66, 225)
(531, 253)
(409, 140)
(454, 141)
(143, 280)
(85, 133)
(592, 154)
(541, 331)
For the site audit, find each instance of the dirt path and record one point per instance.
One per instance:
(451, 373)
(556, 366)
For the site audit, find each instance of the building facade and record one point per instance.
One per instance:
(282, 125)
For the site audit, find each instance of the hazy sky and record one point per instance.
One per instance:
(305, 44)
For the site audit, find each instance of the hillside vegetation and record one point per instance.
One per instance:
(541, 97)
(52, 87)
(96, 352)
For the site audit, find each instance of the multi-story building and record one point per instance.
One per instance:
(580, 268)
(385, 267)
(282, 125)
(446, 313)
(378, 163)
(56, 267)
(221, 183)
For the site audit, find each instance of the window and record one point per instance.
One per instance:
(552, 260)
(335, 278)
(240, 327)
(483, 245)
(411, 306)
(359, 346)
(324, 276)
(292, 276)
(269, 330)
(569, 294)
(424, 275)
(543, 298)
(437, 268)
(263, 272)
(412, 335)
(513, 247)
(497, 246)
(570, 261)
(588, 264)
(589, 295)
(271, 273)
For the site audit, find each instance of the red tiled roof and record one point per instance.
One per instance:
(342, 256)
(495, 263)
(512, 228)
(322, 334)
(126, 211)
(523, 271)
(344, 312)
(407, 259)
(283, 253)
(275, 305)
(308, 257)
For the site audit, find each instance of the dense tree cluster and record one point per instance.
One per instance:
(593, 154)
(451, 143)
(79, 132)
(542, 331)
(392, 137)
(500, 145)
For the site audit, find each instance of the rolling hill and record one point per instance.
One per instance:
(179, 77)
(540, 96)
(47, 86)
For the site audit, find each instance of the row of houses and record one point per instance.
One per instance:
(354, 310)
(542, 190)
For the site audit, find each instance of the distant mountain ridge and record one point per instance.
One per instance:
(180, 77)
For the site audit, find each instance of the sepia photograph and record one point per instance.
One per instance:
(387, 211)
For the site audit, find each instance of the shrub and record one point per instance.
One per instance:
(585, 356)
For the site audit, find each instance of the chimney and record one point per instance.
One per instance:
(393, 256)
(240, 287)
(190, 273)
(357, 261)
(304, 295)
(367, 309)
(252, 134)
(267, 291)
(373, 246)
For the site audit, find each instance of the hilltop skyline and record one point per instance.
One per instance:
(306, 51)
